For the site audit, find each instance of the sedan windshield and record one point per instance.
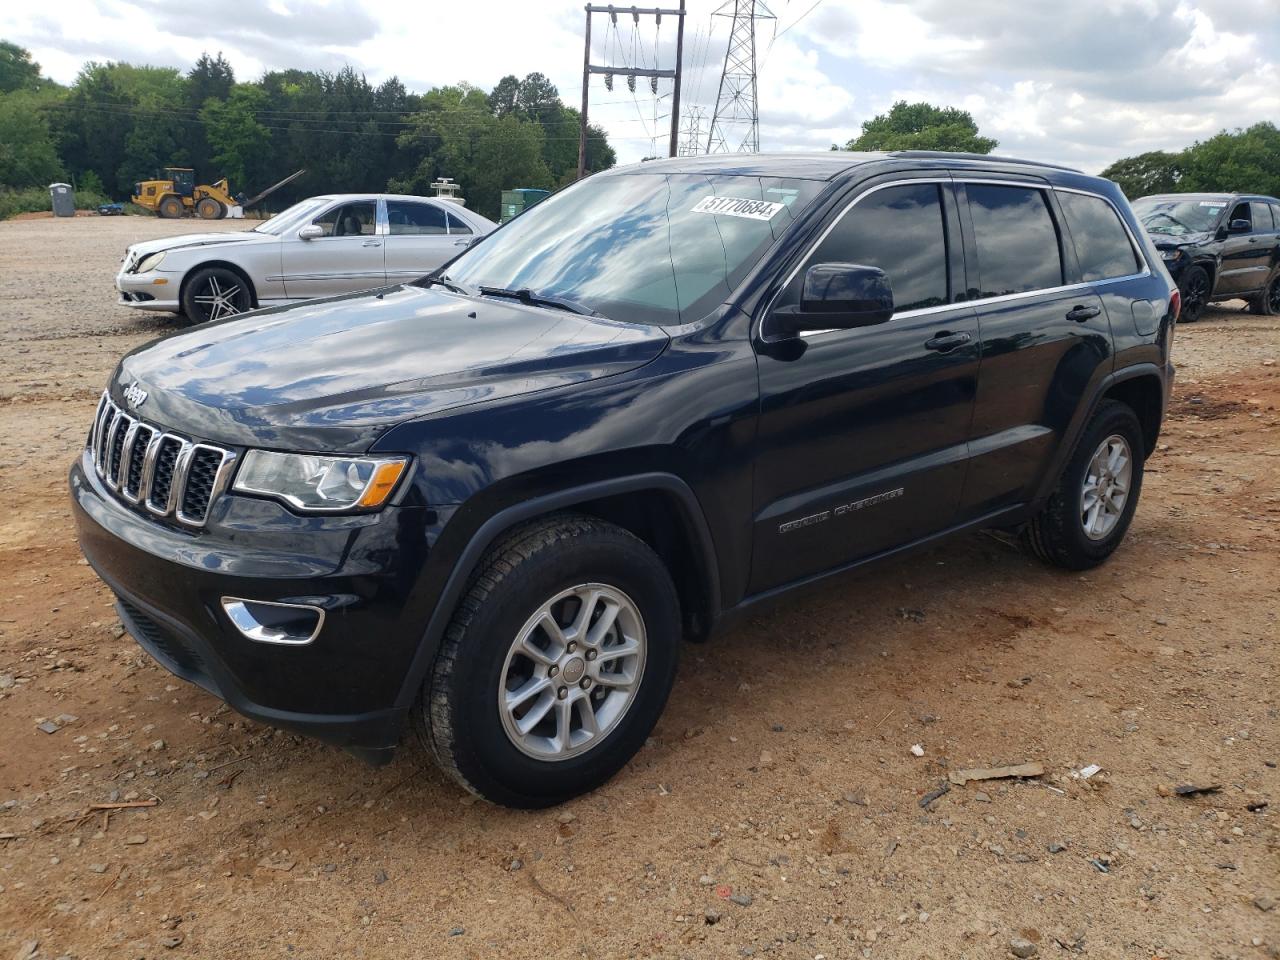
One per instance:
(292, 218)
(640, 248)
(1173, 217)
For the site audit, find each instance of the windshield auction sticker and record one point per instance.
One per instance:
(738, 207)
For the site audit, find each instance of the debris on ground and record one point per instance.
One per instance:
(1196, 789)
(917, 750)
(1084, 773)
(933, 795)
(1021, 770)
(1022, 948)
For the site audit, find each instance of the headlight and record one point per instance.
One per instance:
(1171, 254)
(149, 262)
(320, 483)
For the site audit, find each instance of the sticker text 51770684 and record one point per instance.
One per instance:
(737, 207)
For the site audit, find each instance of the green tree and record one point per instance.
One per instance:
(502, 99)
(922, 126)
(1247, 161)
(27, 154)
(1155, 172)
(17, 70)
(236, 138)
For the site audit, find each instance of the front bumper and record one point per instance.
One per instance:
(344, 687)
(154, 290)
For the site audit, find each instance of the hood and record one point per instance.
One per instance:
(1167, 241)
(198, 240)
(335, 374)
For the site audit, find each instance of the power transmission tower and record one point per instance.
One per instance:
(691, 134)
(609, 72)
(735, 125)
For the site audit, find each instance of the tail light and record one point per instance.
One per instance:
(1175, 304)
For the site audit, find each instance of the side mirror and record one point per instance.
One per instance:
(1239, 226)
(840, 296)
(311, 231)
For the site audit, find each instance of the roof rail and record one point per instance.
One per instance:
(944, 155)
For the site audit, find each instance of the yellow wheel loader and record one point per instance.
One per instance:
(179, 195)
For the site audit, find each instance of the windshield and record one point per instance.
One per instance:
(640, 248)
(1176, 217)
(292, 218)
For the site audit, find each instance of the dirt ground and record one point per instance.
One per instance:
(777, 810)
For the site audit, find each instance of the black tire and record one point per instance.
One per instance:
(1267, 303)
(215, 293)
(1057, 534)
(210, 209)
(1195, 291)
(458, 713)
(171, 208)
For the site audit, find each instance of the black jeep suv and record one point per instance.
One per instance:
(492, 501)
(1217, 246)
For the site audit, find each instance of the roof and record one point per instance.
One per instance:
(1209, 196)
(814, 166)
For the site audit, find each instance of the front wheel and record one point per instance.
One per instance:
(209, 209)
(215, 293)
(556, 666)
(1195, 294)
(1092, 506)
(1267, 302)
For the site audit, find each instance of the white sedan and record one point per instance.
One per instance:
(317, 248)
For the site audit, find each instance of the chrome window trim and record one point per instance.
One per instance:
(977, 302)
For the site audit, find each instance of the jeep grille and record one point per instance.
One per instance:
(166, 474)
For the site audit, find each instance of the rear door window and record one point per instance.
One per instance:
(1275, 215)
(1102, 244)
(1016, 237)
(408, 219)
(899, 229)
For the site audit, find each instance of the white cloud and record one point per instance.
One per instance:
(1082, 82)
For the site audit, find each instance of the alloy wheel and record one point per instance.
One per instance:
(221, 296)
(1195, 297)
(572, 672)
(1106, 487)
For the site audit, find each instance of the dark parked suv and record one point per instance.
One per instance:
(493, 501)
(1217, 246)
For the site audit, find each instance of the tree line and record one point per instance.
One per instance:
(1246, 161)
(119, 123)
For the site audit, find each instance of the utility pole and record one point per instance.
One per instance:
(735, 124)
(589, 68)
(691, 134)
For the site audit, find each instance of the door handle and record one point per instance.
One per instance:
(1081, 314)
(462, 243)
(372, 243)
(947, 341)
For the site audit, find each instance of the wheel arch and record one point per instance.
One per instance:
(659, 508)
(224, 264)
(1143, 393)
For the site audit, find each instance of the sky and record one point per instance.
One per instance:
(1079, 82)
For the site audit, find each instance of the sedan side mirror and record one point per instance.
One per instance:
(840, 296)
(1239, 226)
(311, 231)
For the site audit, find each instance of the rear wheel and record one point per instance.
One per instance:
(556, 665)
(215, 293)
(171, 208)
(209, 209)
(1092, 506)
(1195, 294)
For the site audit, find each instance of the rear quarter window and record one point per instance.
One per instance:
(1102, 245)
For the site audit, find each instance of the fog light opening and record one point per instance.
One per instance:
(266, 621)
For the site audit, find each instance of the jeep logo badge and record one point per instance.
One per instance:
(134, 395)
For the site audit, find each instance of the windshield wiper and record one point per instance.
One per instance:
(447, 284)
(525, 295)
